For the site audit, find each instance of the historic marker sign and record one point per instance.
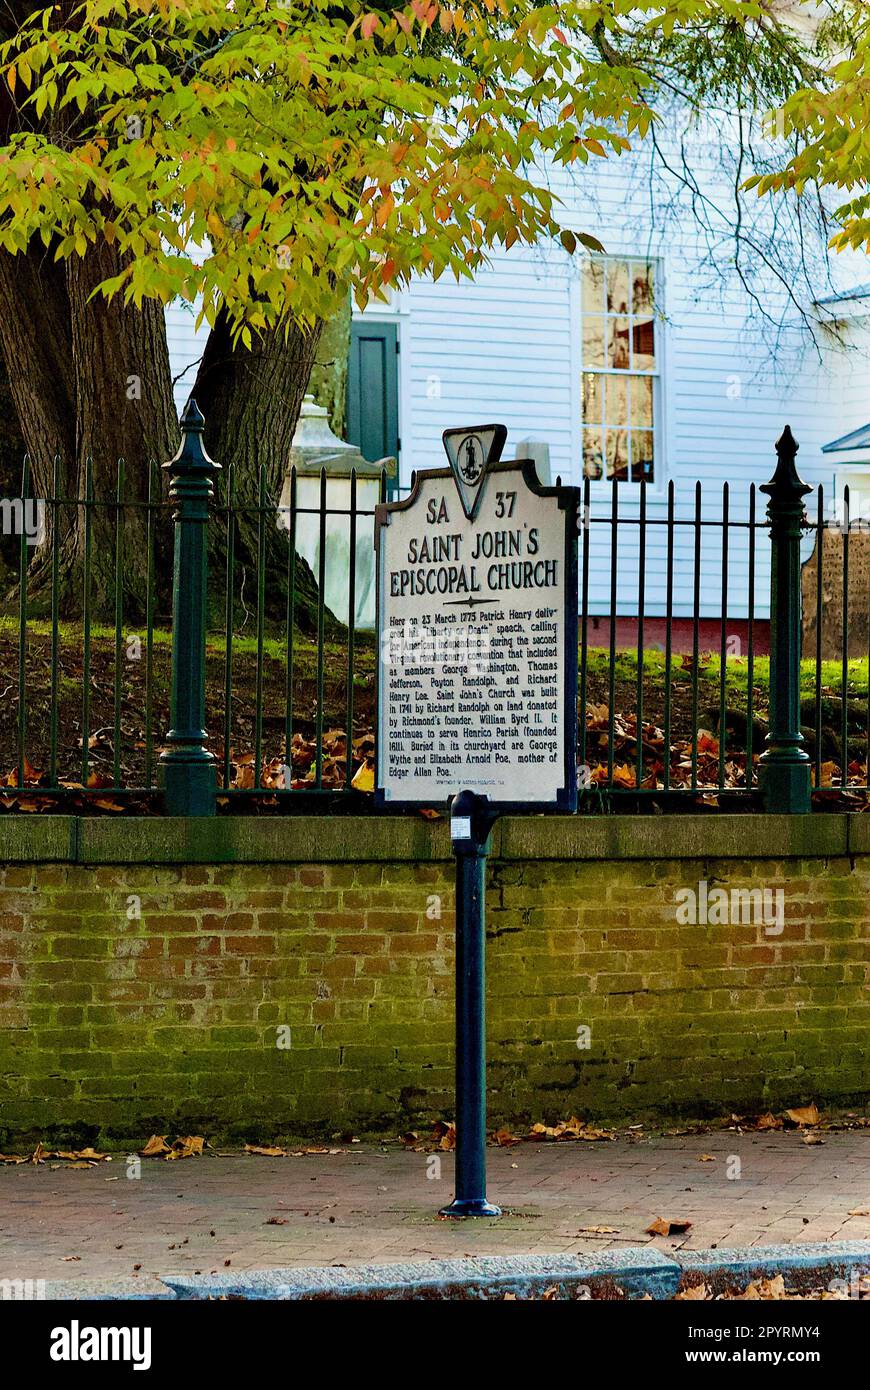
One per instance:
(477, 623)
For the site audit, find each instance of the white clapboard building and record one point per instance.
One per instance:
(664, 360)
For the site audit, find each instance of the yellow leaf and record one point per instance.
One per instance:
(364, 780)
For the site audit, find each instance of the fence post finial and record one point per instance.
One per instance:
(784, 767)
(189, 769)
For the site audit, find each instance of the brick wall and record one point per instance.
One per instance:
(157, 996)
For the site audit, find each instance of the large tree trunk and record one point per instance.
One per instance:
(90, 380)
(94, 382)
(251, 401)
(123, 391)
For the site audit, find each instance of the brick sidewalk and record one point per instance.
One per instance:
(371, 1204)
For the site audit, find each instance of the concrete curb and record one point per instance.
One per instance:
(799, 1265)
(128, 1289)
(636, 1271)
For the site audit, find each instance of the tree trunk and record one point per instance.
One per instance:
(36, 343)
(124, 410)
(88, 379)
(94, 382)
(251, 401)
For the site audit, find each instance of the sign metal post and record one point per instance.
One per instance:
(470, 825)
(477, 695)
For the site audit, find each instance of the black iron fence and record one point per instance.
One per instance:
(701, 681)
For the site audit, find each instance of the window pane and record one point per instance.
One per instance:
(642, 402)
(617, 287)
(616, 449)
(617, 401)
(642, 287)
(593, 412)
(593, 341)
(642, 450)
(593, 460)
(593, 287)
(643, 344)
(617, 343)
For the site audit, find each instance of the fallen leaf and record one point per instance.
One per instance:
(695, 1292)
(663, 1226)
(803, 1115)
(88, 1154)
(364, 778)
(266, 1152)
(768, 1121)
(765, 1288)
(156, 1145)
(188, 1147)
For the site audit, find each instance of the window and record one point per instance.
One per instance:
(620, 369)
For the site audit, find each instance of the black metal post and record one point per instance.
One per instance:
(471, 821)
(784, 767)
(189, 770)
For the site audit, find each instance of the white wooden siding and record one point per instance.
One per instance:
(506, 347)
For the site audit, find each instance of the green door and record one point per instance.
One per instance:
(373, 390)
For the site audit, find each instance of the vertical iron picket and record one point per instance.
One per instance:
(723, 641)
(119, 622)
(696, 618)
(820, 542)
(230, 534)
(750, 655)
(584, 623)
(351, 627)
(53, 510)
(321, 626)
(261, 615)
(87, 503)
(669, 617)
(844, 668)
(22, 629)
(611, 701)
(641, 591)
(152, 505)
(291, 618)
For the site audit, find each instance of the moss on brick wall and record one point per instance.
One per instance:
(137, 998)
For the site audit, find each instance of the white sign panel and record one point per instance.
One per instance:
(477, 626)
